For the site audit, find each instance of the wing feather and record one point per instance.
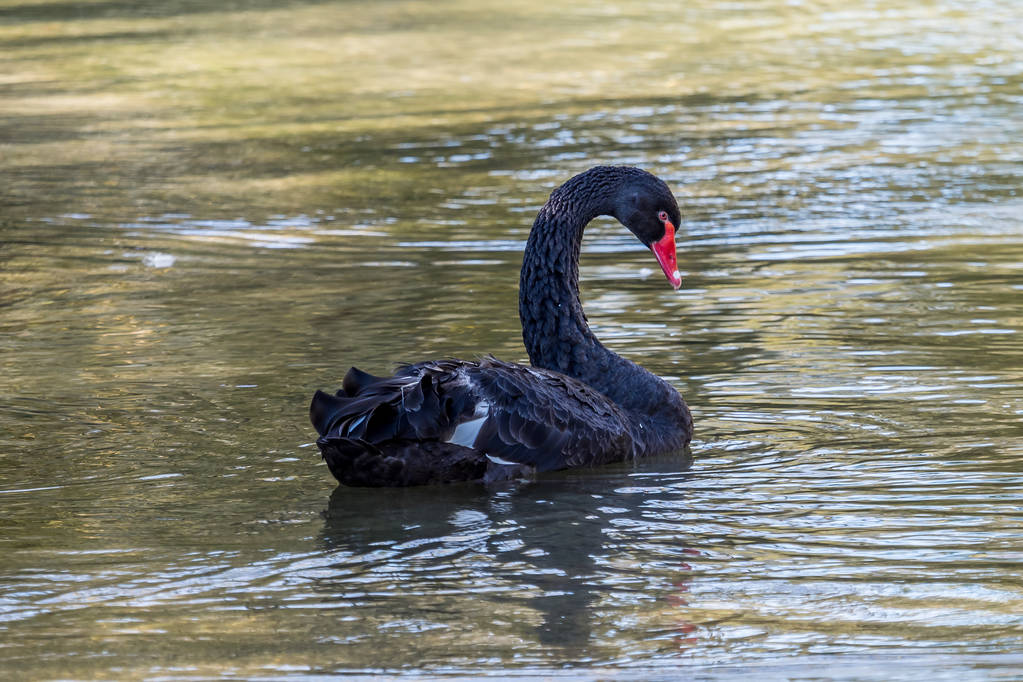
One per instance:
(546, 419)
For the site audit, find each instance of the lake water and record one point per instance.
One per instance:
(208, 211)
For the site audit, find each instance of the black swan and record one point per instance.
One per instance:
(578, 404)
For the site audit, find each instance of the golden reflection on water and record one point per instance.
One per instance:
(261, 109)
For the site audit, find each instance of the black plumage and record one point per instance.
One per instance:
(578, 404)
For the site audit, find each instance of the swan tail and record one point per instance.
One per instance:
(406, 429)
(418, 402)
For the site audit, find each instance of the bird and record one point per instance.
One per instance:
(576, 404)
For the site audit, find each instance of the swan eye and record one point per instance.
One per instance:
(663, 216)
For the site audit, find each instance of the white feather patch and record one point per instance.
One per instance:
(466, 432)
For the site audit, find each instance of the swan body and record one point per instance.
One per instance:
(578, 404)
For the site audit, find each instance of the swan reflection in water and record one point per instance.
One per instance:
(526, 562)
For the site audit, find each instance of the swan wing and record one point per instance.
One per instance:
(512, 413)
(546, 419)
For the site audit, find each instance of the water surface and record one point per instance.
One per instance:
(210, 211)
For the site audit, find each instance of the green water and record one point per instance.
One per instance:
(208, 211)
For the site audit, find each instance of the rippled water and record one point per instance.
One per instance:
(209, 212)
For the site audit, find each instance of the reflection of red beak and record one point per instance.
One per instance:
(664, 249)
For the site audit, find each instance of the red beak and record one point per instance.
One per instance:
(664, 249)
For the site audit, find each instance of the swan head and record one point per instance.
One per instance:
(648, 209)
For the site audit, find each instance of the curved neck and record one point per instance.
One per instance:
(554, 328)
